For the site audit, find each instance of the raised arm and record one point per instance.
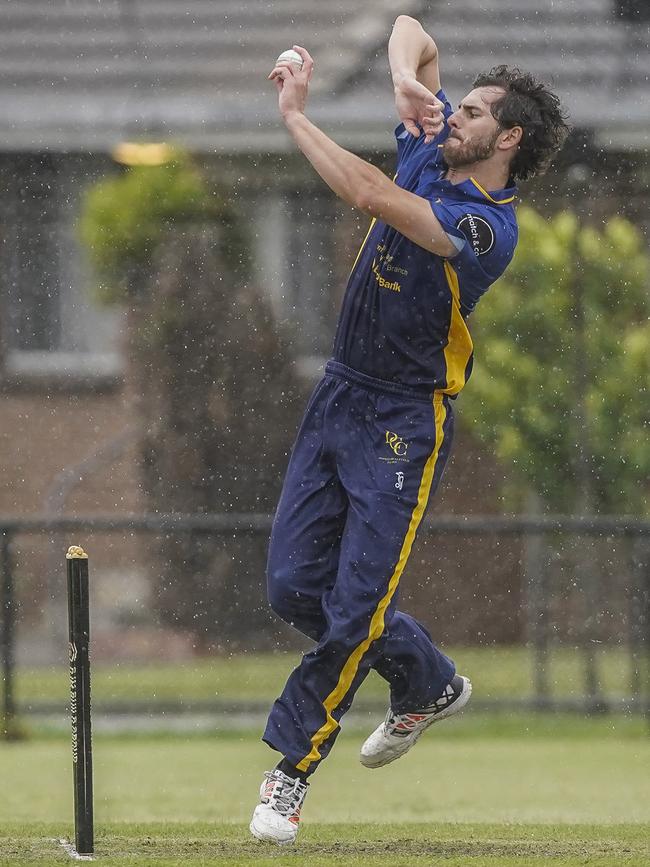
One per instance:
(357, 182)
(413, 59)
(412, 52)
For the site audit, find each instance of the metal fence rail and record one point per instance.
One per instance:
(536, 529)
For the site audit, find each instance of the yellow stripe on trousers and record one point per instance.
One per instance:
(376, 629)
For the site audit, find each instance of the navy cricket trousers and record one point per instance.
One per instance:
(368, 455)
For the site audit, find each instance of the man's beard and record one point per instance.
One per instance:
(467, 153)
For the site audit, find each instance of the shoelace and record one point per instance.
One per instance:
(411, 720)
(285, 796)
(404, 722)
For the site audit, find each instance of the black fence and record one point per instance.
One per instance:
(630, 537)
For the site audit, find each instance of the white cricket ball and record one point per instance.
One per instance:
(292, 56)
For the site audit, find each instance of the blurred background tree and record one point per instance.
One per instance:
(560, 388)
(125, 218)
(212, 384)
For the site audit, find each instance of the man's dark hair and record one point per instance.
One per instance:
(527, 103)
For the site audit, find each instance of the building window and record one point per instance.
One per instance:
(632, 10)
(310, 271)
(51, 324)
(299, 266)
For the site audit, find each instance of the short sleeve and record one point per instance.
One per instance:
(485, 237)
(409, 146)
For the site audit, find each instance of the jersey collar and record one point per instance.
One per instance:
(497, 197)
(471, 189)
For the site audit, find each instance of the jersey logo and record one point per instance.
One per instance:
(478, 232)
(393, 285)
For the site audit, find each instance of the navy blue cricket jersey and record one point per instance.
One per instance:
(403, 317)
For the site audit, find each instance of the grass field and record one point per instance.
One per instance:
(542, 791)
(495, 672)
(483, 789)
(398, 845)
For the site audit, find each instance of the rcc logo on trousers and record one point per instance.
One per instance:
(396, 443)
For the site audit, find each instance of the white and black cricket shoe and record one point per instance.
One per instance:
(399, 731)
(277, 816)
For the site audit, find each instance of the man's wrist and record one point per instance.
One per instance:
(293, 118)
(402, 75)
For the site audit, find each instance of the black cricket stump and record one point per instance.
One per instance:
(82, 751)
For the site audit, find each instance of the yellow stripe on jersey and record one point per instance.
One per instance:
(377, 622)
(488, 196)
(372, 223)
(459, 348)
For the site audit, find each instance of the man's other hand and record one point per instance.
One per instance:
(292, 83)
(418, 107)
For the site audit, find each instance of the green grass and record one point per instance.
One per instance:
(484, 789)
(544, 791)
(447, 778)
(495, 672)
(356, 844)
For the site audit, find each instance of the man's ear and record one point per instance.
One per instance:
(510, 138)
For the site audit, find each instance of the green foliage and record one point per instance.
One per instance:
(534, 357)
(125, 217)
(207, 362)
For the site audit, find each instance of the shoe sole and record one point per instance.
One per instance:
(266, 838)
(454, 708)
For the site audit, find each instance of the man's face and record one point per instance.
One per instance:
(474, 131)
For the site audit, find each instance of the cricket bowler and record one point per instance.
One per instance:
(377, 431)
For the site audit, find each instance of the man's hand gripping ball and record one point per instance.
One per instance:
(292, 80)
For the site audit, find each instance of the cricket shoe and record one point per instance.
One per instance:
(277, 816)
(399, 731)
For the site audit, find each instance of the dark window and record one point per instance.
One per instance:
(632, 10)
(311, 270)
(50, 322)
(32, 252)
